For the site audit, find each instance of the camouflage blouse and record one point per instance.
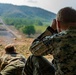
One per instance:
(61, 45)
(12, 64)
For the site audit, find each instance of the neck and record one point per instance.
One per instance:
(67, 26)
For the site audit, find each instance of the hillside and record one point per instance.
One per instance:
(23, 16)
(9, 10)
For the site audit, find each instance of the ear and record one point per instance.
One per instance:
(58, 26)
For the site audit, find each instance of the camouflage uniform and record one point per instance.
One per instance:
(38, 65)
(12, 64)
(62, 46)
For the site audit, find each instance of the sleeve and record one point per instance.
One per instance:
(23, 59)
(0, 63)
(41, 45)
(0, 60)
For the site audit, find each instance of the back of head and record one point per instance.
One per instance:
(10, 48)
(67, 15)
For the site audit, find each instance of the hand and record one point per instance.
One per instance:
(54, 24)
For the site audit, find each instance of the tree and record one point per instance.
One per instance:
(40, 23)
(28, 30)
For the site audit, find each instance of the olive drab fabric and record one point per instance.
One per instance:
(38, 65)
(61, 45)
(12, 64)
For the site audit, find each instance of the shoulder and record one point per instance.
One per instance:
(21, 57)
(60, 35)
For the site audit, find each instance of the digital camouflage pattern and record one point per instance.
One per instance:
(38, 65)
(12, 64)
(62, 46)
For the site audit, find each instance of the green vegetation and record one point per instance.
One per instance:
(24, 25)
(31, 13)
(0, 23)
(23, 18)
(22, 21)
(40, 29)
(28, 30)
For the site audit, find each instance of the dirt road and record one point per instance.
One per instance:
(8, 34)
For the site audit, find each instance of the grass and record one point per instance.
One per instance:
(22, 47)
(40, 29)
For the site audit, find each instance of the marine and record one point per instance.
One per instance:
(62, 45)
(11, 62)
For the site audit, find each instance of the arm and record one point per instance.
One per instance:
(40, 45)
(49, 31)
